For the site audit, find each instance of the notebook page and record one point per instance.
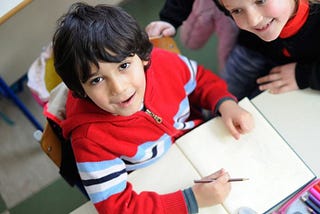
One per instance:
(273, 168)
(171, 173)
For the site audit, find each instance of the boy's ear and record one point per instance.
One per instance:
(145, 62)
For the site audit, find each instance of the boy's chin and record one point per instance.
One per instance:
(127, 113)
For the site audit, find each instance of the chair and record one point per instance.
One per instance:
(52, 142)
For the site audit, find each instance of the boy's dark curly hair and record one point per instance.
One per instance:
(88, 34)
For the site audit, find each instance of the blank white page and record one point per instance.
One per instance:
(171, 173)
(274, 170)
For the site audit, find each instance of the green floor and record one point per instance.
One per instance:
(59, 197)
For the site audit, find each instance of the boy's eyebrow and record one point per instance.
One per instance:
(93, 73)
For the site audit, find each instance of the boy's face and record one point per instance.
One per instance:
(265, 18)
(118, 88)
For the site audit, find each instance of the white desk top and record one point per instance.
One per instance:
(296, 116)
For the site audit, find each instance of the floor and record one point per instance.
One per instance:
(29, 181)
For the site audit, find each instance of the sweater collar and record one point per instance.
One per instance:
(294, 24)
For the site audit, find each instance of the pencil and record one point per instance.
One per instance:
(310, 204)
(209, 180)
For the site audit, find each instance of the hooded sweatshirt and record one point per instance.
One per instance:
(108, 147)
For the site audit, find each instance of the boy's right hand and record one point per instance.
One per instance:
(215, 192)
(160, 28)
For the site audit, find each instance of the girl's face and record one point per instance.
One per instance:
(118, 88)
(265, 18)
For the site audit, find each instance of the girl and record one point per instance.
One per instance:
(278, 47)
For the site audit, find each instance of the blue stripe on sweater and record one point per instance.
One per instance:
(103, 195)
(88, 167)
(106, 178)
(184, 107)
(148, 153)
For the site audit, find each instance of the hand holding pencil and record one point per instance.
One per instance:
(212, 193)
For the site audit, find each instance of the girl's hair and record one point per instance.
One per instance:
(222, 8)
(314, 1)
(87, 35)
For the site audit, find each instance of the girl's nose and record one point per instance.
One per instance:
(254, 17)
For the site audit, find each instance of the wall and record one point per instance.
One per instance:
(23, 35)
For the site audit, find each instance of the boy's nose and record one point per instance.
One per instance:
(116, 86)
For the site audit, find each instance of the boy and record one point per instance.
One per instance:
(128, 103)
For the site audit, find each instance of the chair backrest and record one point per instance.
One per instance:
(52, 143)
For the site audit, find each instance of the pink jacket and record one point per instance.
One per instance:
(204, 20)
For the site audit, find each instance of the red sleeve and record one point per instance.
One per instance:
(110, 190)
(129, 201)
(210, 89)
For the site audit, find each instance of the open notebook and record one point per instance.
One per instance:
(274, 170)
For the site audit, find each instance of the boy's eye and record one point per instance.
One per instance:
(124, 66)
(96, 80)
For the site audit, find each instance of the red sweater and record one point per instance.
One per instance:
(108, 147)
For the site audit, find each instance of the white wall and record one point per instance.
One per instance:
(23, 35)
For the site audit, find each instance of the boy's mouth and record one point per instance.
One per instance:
(128, 101)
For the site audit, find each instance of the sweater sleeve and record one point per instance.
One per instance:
(308, 75)
(176, 11)
(105, 179)
(210, 90)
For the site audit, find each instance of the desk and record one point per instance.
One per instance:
(8, 9)
(10, 93)
(296, 117)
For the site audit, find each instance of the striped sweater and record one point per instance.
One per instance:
(108, 147)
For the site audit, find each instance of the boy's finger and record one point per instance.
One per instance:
(233, 130)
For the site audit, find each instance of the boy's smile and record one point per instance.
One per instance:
(118, 88)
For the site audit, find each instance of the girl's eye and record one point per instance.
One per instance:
(124, 66)
(96, 80)
(259, 2)
(235, 11)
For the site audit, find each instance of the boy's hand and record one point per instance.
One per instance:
(280, 79)
(215, 192)
(160, 28)
(237, 120)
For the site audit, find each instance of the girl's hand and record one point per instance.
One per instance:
(160, 28)
(280, 79)
(237, 120)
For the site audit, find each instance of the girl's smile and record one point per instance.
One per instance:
(265, 18)
(265, 27)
